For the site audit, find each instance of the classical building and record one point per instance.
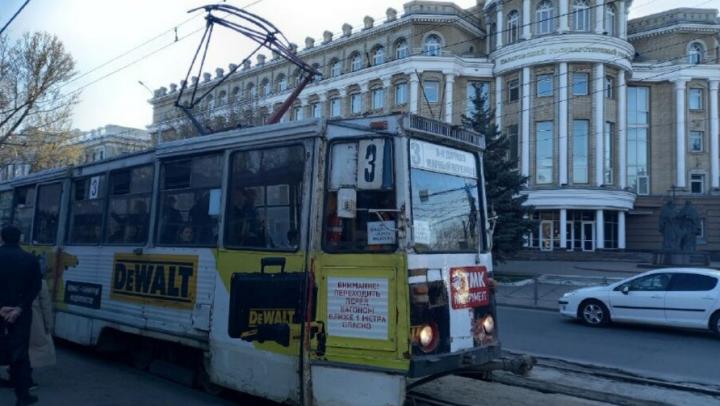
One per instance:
(111, 141)
(610, 117)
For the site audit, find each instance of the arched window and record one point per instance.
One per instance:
(513, 26)
(401, 49)
(432, 45)
(695, 53)
(251, 91)
(222, 98)
(610, 19)
(379, 56)
(235, 93)
(544, 18)
(581, 15)
(356, 62)
(335, 68)
(319, 77)
(266, 88)
(282, 83)
(491, 37)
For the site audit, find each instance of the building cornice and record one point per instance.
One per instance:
(580, 199)
(652, 72)
(676, 28)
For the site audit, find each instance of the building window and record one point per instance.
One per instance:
(513, 90)
(701, 230)
(378, 99)
(513, 24)
(477, 90)
(335, 107)
(609, 87)
(401, 49)
(544, 152)
(696, 141)
(379, 56)
(297, 113)
(611, 229)
(581, 15)
(282, 84)
(580, 83)
(697, 183)
(356, 103)
(357, 63)
(580, 151)
(610, 19)
(696, 99)
(696, 53)
(400, 93)
(432, 45)
(608, 152)
(544, 85)
(492, 32)
(335, 68)
(317, 110)
(267, 91)
(638, 126)
(431, 88)
(544, 18)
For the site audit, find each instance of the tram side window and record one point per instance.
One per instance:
(265, 199)
(5, 208)
(129, 206)
(190, 196)
(86, 210)
(364, 169)
(47, 214)
(23, 211)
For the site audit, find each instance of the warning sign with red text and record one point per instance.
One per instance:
(469, 287)
(358, 307)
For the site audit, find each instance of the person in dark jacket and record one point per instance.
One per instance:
(20, 281)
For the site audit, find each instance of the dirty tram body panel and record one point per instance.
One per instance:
(373, 231)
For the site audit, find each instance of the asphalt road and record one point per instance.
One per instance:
(675, 355)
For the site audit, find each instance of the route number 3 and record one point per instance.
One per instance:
(370, 168)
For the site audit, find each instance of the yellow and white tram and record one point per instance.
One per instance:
(310, 262)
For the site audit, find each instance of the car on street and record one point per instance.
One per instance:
(676, 297)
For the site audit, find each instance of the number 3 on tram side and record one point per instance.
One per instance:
(373, 231)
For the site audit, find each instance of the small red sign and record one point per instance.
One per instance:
(469, 287)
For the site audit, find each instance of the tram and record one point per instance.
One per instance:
(324, 262)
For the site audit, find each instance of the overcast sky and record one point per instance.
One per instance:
(96, 32)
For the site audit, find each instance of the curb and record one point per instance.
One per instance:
(526, 307)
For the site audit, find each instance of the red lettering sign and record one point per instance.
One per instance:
(469, 287)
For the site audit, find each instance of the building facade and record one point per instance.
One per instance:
(610, 117)
(111, 141)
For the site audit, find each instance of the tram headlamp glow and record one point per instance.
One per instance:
(488, 324)
(426, 336)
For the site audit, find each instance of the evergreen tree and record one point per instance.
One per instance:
(509, 219)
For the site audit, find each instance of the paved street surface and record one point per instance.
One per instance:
(83, 377)
(675, 355)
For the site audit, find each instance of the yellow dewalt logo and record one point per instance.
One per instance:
(270, 316)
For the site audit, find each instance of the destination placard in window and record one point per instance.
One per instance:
(358, 308)
(436, 158)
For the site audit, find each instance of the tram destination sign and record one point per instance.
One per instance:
(161, 280)
(437, 158)
(358, 308)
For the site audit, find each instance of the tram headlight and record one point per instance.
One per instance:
(488, 324)
(428, 337)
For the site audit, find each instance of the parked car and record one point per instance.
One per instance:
(677, 297)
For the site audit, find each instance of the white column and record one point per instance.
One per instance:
(414, 82)
(621, 230)
(622, 129)
(449, 84)
(500, 25)
(599, 121)
(563, 16)
(680, 132)
(498, 102)
(526, 20)
(563, 229)
(599, 13)
(387, 101)
(714, 134)
(599, 229)
(563, 122)
(525, 121)
(322, 99)
(622, 19)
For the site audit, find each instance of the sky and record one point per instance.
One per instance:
(117, 44)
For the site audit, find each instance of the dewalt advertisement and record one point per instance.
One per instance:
(160, 280)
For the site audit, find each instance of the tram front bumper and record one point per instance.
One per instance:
(426, 365)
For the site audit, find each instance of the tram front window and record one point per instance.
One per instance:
(445, 199)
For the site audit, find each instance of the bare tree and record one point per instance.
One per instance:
(32, 74)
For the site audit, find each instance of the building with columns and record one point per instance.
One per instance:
(609, 117)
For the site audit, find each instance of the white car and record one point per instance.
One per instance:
(678, 297)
